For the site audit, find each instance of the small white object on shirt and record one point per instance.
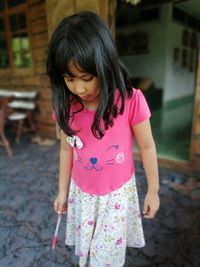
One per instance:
(75, 141)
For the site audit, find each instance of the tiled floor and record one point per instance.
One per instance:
(171, 128)
(28, 185)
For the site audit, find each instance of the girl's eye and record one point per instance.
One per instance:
(88, 79)
(85, 79)
(68, 79)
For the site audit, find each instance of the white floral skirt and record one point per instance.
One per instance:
(101, 227)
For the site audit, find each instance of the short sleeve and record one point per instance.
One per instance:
(139, 109)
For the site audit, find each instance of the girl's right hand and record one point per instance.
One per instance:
(60, 203)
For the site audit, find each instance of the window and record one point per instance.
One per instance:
(127, 15)
(4, 61)
(14, 39)
(185, 19)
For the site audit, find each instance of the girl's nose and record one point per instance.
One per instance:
(79, 89)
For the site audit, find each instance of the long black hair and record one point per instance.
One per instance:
(85, 39)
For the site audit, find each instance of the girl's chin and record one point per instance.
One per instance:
(85, 98)
(89, 98)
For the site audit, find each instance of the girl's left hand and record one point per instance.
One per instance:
(151, 205)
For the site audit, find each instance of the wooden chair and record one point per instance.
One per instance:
(4, 113)
(16, 107)
(22, 112)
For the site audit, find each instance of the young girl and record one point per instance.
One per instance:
(99, 113)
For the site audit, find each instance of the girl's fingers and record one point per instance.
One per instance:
(150, 214)
(146, 213)
(56, 205)
(62, 209)
(151, 205)
(146, 207)
(59, 207)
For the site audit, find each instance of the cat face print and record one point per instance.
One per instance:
(112, 156)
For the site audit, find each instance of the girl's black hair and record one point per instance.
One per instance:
(85, 39)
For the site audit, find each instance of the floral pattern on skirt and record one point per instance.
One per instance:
(101, 227)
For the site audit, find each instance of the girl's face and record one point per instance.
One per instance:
(83, 84)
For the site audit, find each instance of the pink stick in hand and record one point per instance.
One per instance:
(55, 237)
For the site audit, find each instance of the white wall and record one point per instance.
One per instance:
(164, 36)
(179, 81)
(150, 65)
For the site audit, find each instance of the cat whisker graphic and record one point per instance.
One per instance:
(91, 167)
(110, 162)
(98, 168)
(79, 160)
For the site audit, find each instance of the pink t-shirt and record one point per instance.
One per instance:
(101, 166)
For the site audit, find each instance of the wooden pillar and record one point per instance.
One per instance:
(107, 12)
(57, 10)
(195, 142)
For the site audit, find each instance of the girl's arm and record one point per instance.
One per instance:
(145, 141)
(66, 153)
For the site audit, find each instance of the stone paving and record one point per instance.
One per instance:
(28, 185)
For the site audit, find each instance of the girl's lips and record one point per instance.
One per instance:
(84, 97)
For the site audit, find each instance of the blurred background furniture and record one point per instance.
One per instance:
(19, 109)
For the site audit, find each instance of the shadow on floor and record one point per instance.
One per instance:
(28, 185)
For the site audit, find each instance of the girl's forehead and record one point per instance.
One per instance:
(75, 69)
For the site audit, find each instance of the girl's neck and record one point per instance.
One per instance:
(91, 105)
